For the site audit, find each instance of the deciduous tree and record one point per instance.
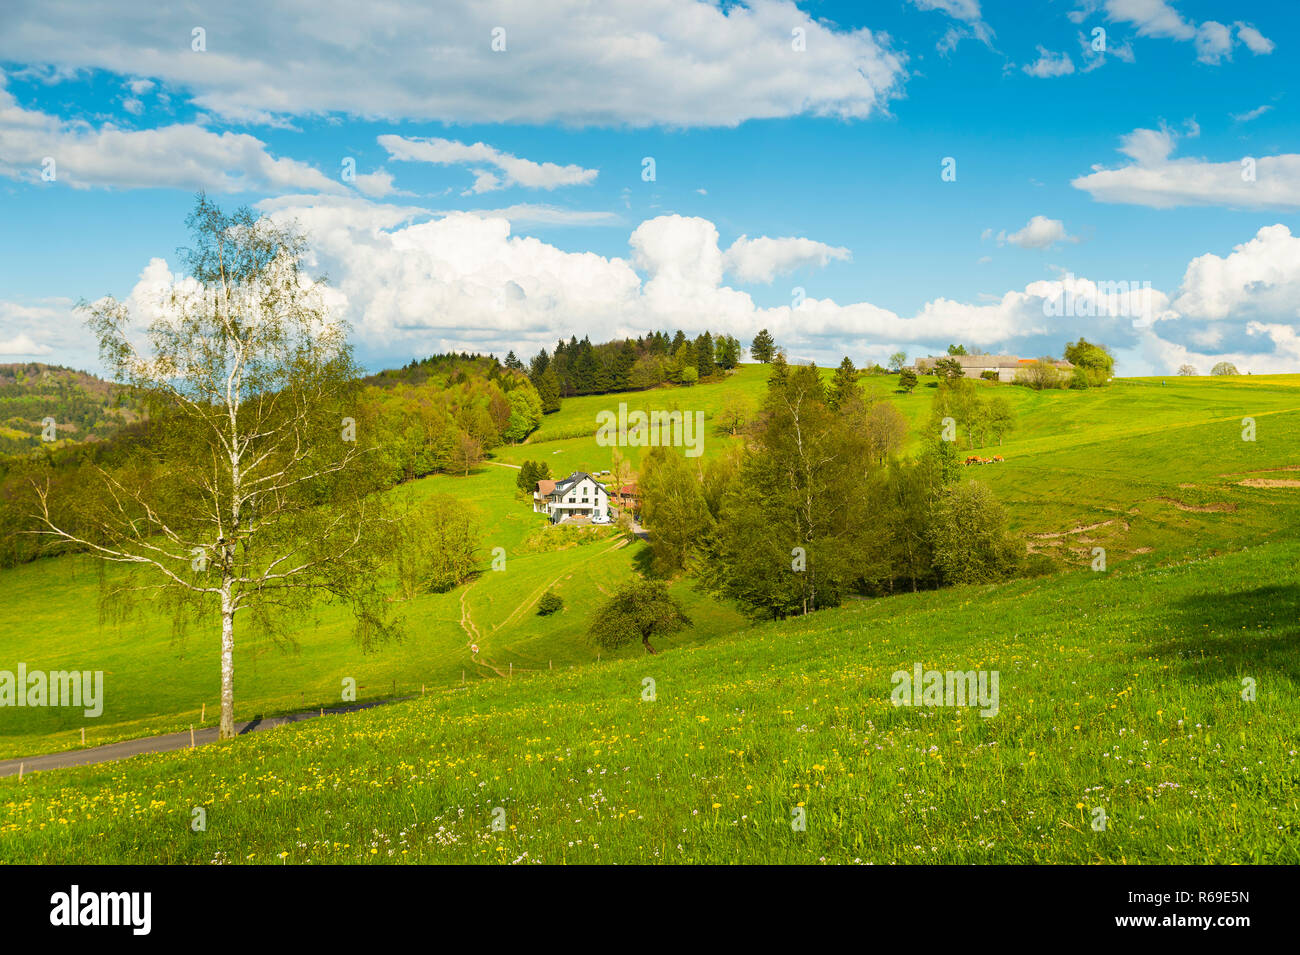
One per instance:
(251, 494)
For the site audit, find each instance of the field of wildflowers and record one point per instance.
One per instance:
(1121, 692)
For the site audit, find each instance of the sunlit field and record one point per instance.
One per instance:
(1120, 692)
(1145, 468)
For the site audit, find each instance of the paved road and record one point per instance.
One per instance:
(160, 744)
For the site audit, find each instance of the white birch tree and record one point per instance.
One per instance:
(249, 495)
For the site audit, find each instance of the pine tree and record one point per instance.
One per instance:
(704, 360)
(761, 349)
(780, 371)
(548, 389)
(844, 385)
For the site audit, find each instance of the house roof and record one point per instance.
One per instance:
(563, 485)
(976, 361)
(544, 488)
(987, 361)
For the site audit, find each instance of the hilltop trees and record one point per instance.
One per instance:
(763, 347)
(416, 417)
(1093, 364)
(727, 352)
(1187, 370)
(705, 363)
(844, 385)
(897, 360)
(1224, 368)
(1040, 374)
(252, 495)
(545, 380)
(582, 368)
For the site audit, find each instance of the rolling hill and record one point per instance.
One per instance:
(1121, 701)
(1152, 471)
(82, 406)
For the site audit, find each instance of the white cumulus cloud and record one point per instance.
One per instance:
(1039, 232)
(514, 171)
(1156, 180)
(764, 258)
(617, 63)
(182, 155)
(1049, 64)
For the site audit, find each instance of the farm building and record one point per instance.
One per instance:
(579, 495)
(1005, 366)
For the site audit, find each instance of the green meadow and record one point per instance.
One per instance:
(1120, 702)
(159, 681)
(1121, 688)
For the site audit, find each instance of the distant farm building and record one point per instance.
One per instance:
(974, 366)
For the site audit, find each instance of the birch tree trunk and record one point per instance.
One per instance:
(227, 663)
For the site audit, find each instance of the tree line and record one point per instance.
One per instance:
(817, 507)
(581, 368)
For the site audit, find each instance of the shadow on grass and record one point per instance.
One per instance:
(1219, 636)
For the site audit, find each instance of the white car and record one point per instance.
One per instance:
(600, 520)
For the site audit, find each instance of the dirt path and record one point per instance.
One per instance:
(471, 630)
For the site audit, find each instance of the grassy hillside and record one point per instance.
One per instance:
(158, 682)
(83, 407)
(1119, 691)
(1148, 471)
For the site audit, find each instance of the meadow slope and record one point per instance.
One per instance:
(1120, 691)
(1144, 468)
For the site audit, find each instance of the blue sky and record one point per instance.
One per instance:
(815, 133)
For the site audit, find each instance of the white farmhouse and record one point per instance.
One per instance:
(578, 495)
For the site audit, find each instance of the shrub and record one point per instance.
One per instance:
(1041, 374)
(971, 543)
(549, 604)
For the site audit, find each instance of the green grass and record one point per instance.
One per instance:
(156, 683)
(1145, 470)
(1119, 691)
